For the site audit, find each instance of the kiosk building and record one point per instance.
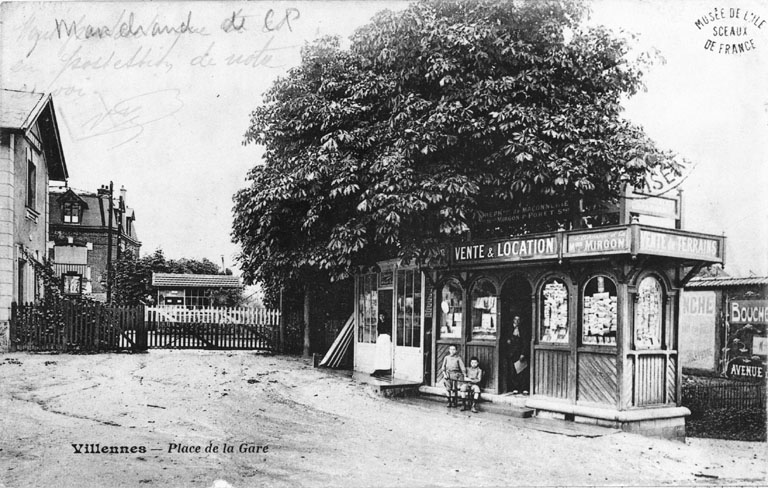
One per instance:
(599, 309)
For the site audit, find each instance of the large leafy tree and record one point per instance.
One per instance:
(392, 146)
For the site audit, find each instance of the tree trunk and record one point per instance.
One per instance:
(307, 345)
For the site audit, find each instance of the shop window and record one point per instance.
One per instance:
(71, 213)
(554, 304)
(72, 284)
(451, 310)
(484, 310)
(599, 312)
(409, 308)
(649, 314)
(368, 306)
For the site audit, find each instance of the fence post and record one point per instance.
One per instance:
(12, 327)
(281, 326)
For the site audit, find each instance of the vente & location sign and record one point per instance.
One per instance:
(505, 250)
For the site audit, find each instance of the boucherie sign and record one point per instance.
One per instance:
(748, 312)
(505, 250)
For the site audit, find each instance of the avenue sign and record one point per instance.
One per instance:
(745, 368)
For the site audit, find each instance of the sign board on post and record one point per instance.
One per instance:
(655, 206)
(746, 369)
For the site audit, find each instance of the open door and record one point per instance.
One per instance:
(515, 348)
(408, 330)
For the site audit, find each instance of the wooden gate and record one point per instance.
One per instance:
(212, 328)
(67, 326)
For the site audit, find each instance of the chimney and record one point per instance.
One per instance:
(122, 193)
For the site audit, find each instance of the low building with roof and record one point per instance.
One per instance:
(31, 155)
(81, 231)
(191, 290)
(723, 323)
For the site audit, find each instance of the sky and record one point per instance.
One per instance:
(163, 113)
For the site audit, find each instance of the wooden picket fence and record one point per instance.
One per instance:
(68, 326)
(212, 328)
(735, 395)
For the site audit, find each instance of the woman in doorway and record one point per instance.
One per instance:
(517, 359)
(383, 359)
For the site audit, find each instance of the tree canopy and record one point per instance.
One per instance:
(392, 146)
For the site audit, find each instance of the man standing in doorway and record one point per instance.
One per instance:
(517, 360)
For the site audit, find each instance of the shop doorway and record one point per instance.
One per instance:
(383, 355)
(515, 348)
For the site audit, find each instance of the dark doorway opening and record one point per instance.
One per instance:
(515, 351)
(384, 328)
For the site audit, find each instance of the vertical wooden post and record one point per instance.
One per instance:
(12, 327)
(109, 246)
(281, 325)
(307, 344)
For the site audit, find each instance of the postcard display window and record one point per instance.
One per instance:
(484, 311)
(554, 323)
(600, 312)
(603, 345)
(451, 310)
(648, 313)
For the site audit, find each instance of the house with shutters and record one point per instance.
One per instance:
(81, 231)
(31, 156)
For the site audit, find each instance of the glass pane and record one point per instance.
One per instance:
(648, 314)
(368, 309)
(554, 323)
(417, 309)
(484, 310)
(451, 310)
(599, 312)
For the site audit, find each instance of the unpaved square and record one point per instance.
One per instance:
(318, 428)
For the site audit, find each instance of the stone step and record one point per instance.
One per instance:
(484, 406)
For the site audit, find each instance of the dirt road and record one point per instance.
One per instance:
(298, 426)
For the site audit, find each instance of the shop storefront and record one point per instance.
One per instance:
(597, 310)
(723, 323)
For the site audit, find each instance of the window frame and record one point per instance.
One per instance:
(408, 304)
(459, 310)
(661, 320)
(368, 306)
(492, 316)
(31, 179)
(64, 288)
(583, 310)
(565, 341)
(73, 210)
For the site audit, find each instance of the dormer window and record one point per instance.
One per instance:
(72, 213)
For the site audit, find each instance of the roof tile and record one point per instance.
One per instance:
(195, 280)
